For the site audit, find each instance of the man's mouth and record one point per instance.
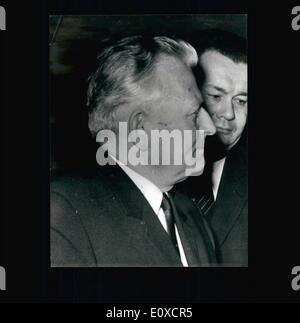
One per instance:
(224, 131)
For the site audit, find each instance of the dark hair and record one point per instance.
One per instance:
(227, 43)
(224, 42)
(120, 68)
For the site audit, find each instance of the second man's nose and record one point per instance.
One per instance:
(226, 111)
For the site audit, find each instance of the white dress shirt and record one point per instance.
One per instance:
(154, 196)
(217, 171)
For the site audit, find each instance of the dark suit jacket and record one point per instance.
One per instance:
(104, 220)
(228, 218)
(229, 215)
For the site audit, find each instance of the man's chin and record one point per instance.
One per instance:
(196, 170)
(195, 173)
(228, 140)
(189, 171)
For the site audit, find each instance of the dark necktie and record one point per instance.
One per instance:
(214, 150)
(206, 201)
(205, 197)
(168, 210)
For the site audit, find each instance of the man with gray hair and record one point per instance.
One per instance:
(124, 214)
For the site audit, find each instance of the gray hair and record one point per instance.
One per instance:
(120, 67)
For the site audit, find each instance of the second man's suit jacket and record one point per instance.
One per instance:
(229, 216)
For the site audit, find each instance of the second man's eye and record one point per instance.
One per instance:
(240, 101)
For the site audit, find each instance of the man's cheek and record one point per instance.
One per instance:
(242, 120)
(194, 155)
(195, 165)
(241, 113)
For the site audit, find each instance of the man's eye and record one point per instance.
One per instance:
(241, 102)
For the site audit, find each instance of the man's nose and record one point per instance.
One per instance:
(205, 123)
(226, 110)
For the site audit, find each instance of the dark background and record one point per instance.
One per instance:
(273, 164)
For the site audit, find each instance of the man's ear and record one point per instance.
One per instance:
(136, 121)
(136, 129)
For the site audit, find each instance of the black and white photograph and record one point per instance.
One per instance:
(130, 159)
(148, 128)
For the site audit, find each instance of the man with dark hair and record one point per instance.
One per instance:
(221, 192)
(125, 215)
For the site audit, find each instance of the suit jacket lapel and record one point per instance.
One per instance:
(232, 194)
(148, 227)
(145, 230)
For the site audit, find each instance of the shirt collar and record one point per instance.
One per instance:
(150, 191)
(217, 172)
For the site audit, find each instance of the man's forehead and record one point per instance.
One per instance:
(222, 71)
(172, 69)
(170, 77)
